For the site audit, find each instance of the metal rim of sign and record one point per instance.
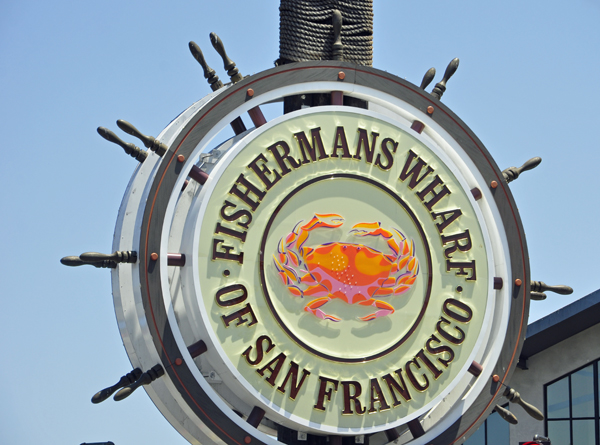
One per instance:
(141, 291)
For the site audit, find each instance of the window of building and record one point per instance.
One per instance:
(494, 431)
(572, 407)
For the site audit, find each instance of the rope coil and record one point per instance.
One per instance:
(306, 30)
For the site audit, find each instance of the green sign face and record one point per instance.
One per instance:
(344, 270)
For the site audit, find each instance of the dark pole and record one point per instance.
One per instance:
(327, 30)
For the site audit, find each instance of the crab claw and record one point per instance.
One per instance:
(384, 309)
(313, 308)
(373, 229)
(332, 220)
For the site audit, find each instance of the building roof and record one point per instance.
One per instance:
(562, 324)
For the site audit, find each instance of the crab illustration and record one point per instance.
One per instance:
(354, 273)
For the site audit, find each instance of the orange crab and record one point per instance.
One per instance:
(351, 272)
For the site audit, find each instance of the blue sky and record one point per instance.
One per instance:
(526, 85)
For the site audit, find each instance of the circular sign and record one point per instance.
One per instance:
(336, 270)
(343, 270)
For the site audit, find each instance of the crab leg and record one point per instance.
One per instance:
(313, 308)
(288, 275)
(384, 309)
(291, 252)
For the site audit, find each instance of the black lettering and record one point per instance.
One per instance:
(281, 158)
(236, 215)
(455, 315)
(394, 387)
(260, 351)
(455, 240)
(463, 268)
(233, 301)
(292, 376)
(439, 350)
(262, 171)
(446, 221)
(352, 397)
(446, 336)
(363, 141)
(317, 143)
(377, 397)
(413, 379)
(415, 171)
(430, 365)
(230, 232)
(387, 153)
(245, 195)
(239, 316)
(436, 195)
(325, 393)
(340, 141)
(278, 362)
(225, 253)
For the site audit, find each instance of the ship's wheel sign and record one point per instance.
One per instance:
(336, 270)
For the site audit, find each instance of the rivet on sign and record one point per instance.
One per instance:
(226, 273)
(181, 158)
(197, 349)
(476, 194)
(494, 184)
(495, 378)
(178, 362)
(250, 92)
(247, 439)
(154, 256)
(341, 75)
(498, 283)
(476, 369)
(418, 126)
(459, 289)
(430, 109)
(518, 282)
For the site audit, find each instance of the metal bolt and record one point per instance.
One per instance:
(180, 158)
(341, 75)
(494, 184)
(430, 109)
(476, 369)
(495, 378)
(154, 256)
(250, 92)
(498, 283)
(518, 282)
(418, 126)
(178, 362)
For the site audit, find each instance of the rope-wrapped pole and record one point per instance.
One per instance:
(306, 30)
(325, 30)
